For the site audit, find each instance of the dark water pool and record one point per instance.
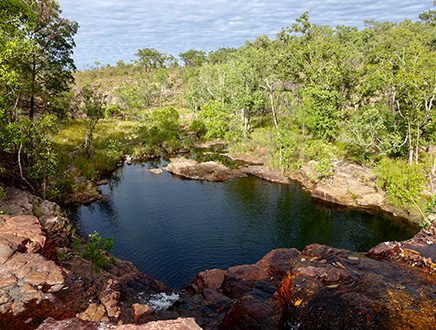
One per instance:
(172, 228)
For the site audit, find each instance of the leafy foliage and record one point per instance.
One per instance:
(93, 104)
(96, 250)
(403, 184)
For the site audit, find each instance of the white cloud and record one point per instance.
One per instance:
(113, 29)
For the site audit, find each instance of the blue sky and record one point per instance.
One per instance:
(111, 30)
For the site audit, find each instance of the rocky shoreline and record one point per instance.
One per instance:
(350, 185)
(391, 286)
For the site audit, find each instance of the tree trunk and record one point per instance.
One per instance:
(276, 123)
(411, 149)
(245, 121)
(32, 107)
(417, 144)
(32, 90)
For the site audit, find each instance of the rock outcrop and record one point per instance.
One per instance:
(217, 172)
(29, 283)
(208, 171)
(392, 286)
(350, 185)
(240, 297)
(36, 284)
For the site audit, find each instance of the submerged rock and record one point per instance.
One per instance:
(157, 171)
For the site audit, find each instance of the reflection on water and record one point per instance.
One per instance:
(173, 228)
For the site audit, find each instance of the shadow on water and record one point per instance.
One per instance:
(173, 228)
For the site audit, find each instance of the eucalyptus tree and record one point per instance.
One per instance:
(15, 18)
(193, 57)
(401, 70)
(322, 61)
(48, 70)
(93, 103)
(150, 58)
(220, 56)
(247, 71)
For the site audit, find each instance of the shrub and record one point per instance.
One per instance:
(162, 129)
(198, 127)
(403, 183)
(215, 119)
(96, 250)
(293, 150)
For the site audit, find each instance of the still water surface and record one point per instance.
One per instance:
(172, 228)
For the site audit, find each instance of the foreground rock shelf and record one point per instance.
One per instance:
(391, 286)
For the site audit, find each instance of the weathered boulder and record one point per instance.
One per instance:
(208, 171)
(20, 202)
(140, 310)
(20, 233)
(240, 297)
(208, 279)
(17, 202)
(419, 251)
(29, 283)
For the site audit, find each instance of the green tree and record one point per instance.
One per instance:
(15, 18)
(48, 69)
(150, 58)
(324, 63)
(429, 16)
(401, 70)
(220, 56)
(193, 57)
(93, 103)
